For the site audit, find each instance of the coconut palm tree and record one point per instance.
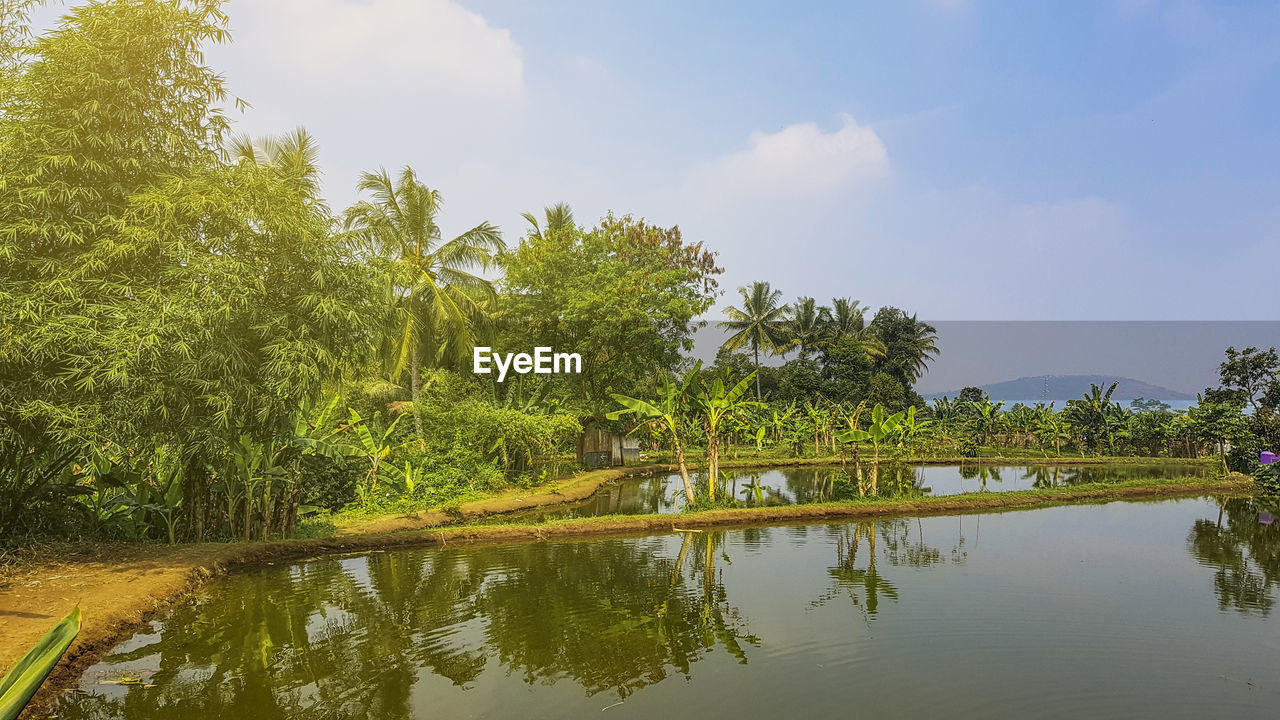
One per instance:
(846, 320)
(295, 156)
(806, 325)
(845, 317)
(439, 303)
(761, 324)
(558, 217)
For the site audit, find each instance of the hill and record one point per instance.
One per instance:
(1056, 387)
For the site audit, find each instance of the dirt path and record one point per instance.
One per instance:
(120, 586)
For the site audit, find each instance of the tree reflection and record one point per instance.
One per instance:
(863, 585)
(1244, 552)
(352, 637)
(983, 474)
(889, 539)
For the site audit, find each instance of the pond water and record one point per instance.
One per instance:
(642, 495)
(1159, 609)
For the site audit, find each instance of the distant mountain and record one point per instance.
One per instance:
(1058, 387)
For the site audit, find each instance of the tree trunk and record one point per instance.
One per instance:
(757, 352)
(713, 463)
(684, 472)
(415, 384)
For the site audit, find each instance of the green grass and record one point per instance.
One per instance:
(1152, 489)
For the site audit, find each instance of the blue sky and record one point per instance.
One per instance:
(963, 159)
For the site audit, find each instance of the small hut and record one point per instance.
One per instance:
(600, 447)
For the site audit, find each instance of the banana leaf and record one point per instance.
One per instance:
(21, 682)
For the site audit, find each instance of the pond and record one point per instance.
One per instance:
(1158, 609)
(640, 495)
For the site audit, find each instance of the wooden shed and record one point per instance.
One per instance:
(598, 447)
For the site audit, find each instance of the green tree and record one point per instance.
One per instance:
(156, 294)
(1252, 374)
(1088, 415)
(844, 323)
(805, 325)
(623, 295)
(1218, 423)
(844, 318)
(881, 427)
(439, 305)
(761, 323)
(909, 344)
(558, 217)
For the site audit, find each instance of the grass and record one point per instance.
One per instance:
(861, 507)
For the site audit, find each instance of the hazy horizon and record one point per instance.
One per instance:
(1178, 355)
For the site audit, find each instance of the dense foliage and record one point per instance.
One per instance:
(193, 345)
(624, 295)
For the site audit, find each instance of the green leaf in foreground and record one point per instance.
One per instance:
(24, 679)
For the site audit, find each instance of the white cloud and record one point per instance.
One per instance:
(798, 160)
(415, 45)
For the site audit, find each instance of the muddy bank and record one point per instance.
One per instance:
(121, 586)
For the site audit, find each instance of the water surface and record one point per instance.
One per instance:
(640, 495)
(1161, 609)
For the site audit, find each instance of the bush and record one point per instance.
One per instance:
(1268, 479)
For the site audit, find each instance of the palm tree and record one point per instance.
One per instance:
(1089, 413)
(559, 217)
(846, 319)
(760, 323)
(912, 343)
(439, 304)
(295, 156)
(806, 324)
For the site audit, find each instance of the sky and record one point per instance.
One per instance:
(961, 159)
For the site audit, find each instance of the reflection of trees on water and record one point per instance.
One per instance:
(1244, 552)
(352, 638)
(1045, 476)
(863, 585)
(899, 542)
(984, 474)
(609, 618)
(1056, 476)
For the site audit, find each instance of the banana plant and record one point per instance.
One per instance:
(666, 415)
(248, 483)
(22, 681)
(374, 445)
(1054, 430)
(986, 417)
(881, 427)
(408, 476)
(716, 404)
(782, 420)
(911, 429)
